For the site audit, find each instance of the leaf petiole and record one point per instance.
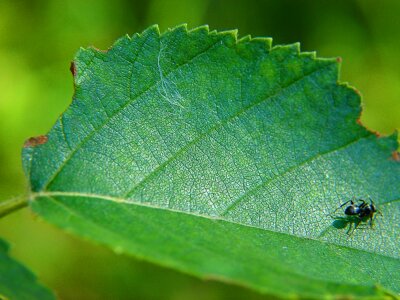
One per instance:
(13, 204)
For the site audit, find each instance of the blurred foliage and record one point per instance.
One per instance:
(38, 40)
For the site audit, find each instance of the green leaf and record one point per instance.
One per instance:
(222, 158)
(17, 282)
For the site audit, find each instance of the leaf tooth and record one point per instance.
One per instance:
(233, 33)
(292, 48)
(126, 36)
(284, 50)
(228, 37)
(135, 36)
(121, 42)
(200, 29)
(308, 54)
(264, 41)
(245, 39)
(181, 28)
(313, 56)
(153, 29)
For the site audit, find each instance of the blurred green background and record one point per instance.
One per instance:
(38, 40)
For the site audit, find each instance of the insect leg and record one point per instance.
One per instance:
(371, 219)
(370, 200)
(350, 232)
(358, 222)
(363, 203)
(351, 201)
(332, 214)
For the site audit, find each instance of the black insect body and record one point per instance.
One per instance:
(362, 210)
(358, 212)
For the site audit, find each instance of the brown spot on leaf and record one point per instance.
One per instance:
(35, 141)
(357, 91)
(72, 68)
(339, 59)
(396, 155)
(378, 134)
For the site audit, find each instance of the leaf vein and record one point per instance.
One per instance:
(130, 101)
(200, 137)
(52, 194)
(289, 170)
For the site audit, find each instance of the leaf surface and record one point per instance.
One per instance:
(17, 282)
(222, 158)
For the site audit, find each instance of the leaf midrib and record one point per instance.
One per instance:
(276, 266)
(123, 199)
(279, 269)
(52, 194)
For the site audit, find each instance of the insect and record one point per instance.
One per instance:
(357, 212)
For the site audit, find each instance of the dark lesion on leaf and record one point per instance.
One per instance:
(396, 156)
(35, 141)
(72, 68)
(359, 122)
